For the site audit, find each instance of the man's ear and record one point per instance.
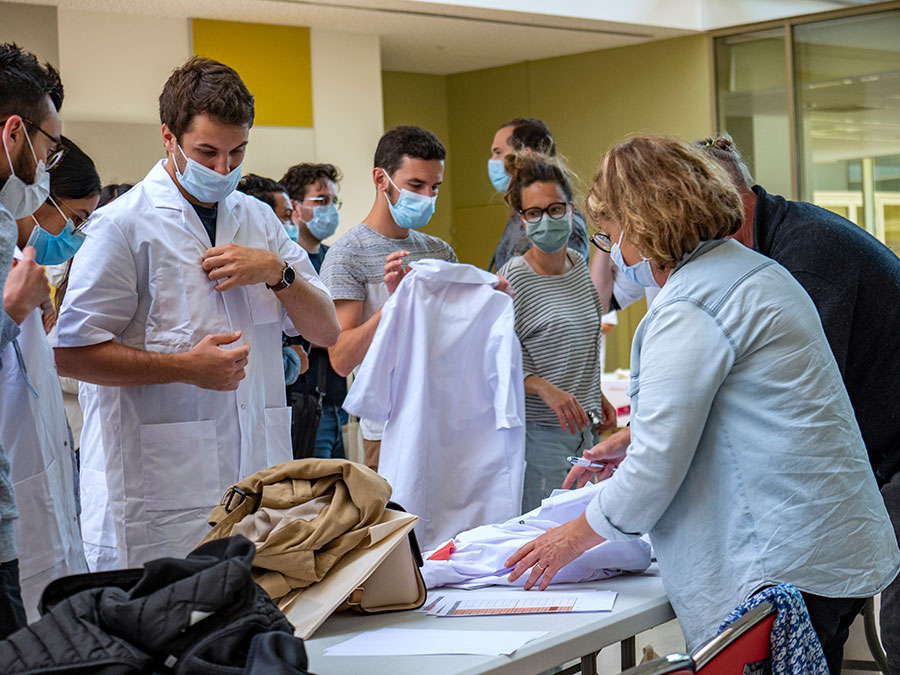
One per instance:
(13, 133)
(380, 178)
(169, 140)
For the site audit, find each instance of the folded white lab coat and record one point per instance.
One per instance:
(444, 371)
(479, 554)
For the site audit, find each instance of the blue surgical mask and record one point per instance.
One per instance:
(550, 234)
(412, 210)
(499, 177)
(640, 273)
(293, 231)
(324, 222)
(204, 184)
(54, 249)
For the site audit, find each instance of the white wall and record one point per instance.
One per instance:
(115, 65)
(273, 149)
(348, 113)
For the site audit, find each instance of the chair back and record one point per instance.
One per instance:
(673, 664)
(744, 643)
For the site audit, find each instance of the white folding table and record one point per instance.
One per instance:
(641, 605)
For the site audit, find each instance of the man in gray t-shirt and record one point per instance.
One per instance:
(364, 266)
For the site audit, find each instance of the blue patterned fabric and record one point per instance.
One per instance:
(795, 645)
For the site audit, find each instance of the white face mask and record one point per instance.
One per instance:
(204, 184)
(20, 198)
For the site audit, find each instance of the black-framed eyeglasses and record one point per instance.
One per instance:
(77, 221)
(556, 210)
(57, 153)
(602, 241)
(325, 201)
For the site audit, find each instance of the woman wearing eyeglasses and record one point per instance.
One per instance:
(33, 425)
(558, 323)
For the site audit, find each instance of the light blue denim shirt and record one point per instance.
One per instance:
(746, 465)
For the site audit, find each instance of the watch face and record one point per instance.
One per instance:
(288, 275)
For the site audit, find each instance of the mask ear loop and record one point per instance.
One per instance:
(9, 161)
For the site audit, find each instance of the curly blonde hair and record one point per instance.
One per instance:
(666, 195)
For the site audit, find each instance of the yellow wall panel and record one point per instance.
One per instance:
(273, 61)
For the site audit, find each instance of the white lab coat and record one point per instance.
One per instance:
(34, 431)
(98, 531)
(444, 371)
(171, 449)
(480, 555)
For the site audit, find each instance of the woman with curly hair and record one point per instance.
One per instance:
(746, 464)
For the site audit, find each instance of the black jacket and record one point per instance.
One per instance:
(197, 615)
(854, 281)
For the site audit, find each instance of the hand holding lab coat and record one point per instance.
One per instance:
(444, 371)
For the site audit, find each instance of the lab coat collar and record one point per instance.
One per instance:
(164, 194)
(453, 272)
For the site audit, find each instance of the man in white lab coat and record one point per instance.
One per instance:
(30, 96)
(175, 307)
(33, 422)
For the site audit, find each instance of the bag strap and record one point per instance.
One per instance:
(321, 373)
(233, 507)
(413, 542)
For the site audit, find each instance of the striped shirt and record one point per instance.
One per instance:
(353, 269)
(558, 324)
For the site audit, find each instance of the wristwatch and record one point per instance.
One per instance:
(287, 278)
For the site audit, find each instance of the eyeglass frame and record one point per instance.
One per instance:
(602, 241)
(57, 153)
(546, 210)
(58, 202)
(335, 200)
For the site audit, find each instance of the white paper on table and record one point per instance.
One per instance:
(499, 603)
(418, 642)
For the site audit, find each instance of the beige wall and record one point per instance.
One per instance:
(347, 108)
(32, 27)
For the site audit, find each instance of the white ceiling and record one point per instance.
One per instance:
(429, 36)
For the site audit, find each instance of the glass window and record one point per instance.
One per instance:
(848, 118)
(752, 103)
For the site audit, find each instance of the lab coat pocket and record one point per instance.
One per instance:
(278, 435)
(180, 465)
(264, 306)
(37, 530)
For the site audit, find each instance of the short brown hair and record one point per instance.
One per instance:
(204, 86)
(299, 176)
(666, 195)
(525, 168)
(407, 141)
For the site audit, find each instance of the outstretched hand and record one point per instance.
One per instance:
(553, 550)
